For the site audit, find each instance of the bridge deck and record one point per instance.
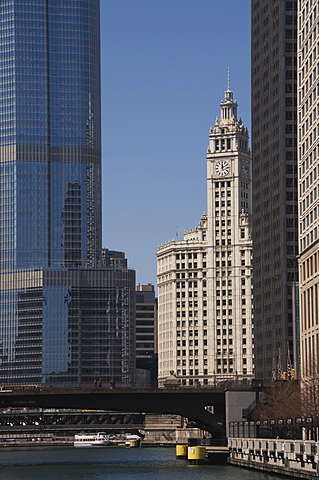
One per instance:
(188, 402)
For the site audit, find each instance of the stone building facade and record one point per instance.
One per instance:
(308, 170)
(205, 301)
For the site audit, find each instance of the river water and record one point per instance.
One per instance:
(112, 463)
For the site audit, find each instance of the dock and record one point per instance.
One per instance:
(217, 455)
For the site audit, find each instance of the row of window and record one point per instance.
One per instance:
(309, 238)
(304, 33)
(190, 323)
(310, 199)
(306, 104)
(188, 274)
(229, 341)
(228, 273)
(224, 283)
(309, 219)
(191, 372)
(191, 362)
(224, 302)
(310, 267)
(311, 177)
(225, 331)
(223, 203)
(191, 333)
(222, 223)
(190, 284)
(223, 213)
(190, 265)
(309, 141)
(191, 381)
(304, 91)
(229, 351)
(182, 256)
(190, 353)
(225, 361)
(309, 304)
(190, 294)
(223, 263)
(222, 193)
(190, 304)
(222, 184)
(190, 313)
(191, 343)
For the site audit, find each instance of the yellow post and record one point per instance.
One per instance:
(134, 443)
(196, 455)
(181, 452)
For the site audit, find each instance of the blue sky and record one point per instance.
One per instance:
(164, 73)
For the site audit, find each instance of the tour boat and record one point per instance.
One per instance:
(91, 440)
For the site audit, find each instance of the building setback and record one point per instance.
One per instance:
(63, 318)
(205, 319)
(275, 203)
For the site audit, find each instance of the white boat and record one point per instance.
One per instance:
(129, 437)
(91, 440)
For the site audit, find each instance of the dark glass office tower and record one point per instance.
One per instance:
(57, 304)
(275, 204)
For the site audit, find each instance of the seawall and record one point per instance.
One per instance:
(294, 458)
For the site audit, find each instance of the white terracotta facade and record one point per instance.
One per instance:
(205, 311)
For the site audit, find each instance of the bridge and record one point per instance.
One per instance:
(187, 402)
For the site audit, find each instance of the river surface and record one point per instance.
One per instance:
(113, 463)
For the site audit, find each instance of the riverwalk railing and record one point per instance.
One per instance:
(296, 458)
(306, 427)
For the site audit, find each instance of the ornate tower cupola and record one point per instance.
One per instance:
(228, 108)
(228, 133)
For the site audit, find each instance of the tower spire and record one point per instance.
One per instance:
(228, 94)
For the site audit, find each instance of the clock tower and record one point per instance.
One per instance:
(205, 324)
(229, 244)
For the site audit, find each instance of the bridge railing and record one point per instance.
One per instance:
(224, 385)
(106, 386)
(291, 427)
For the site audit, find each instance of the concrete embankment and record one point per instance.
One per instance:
(294, 458)
(280, 470)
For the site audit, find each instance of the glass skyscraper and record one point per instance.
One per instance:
(57, 303)
(50, 134)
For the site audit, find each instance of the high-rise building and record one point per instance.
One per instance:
(205, 310)
(308, 168)
(275, 203)
(50, 136)
(63, 318)
(146, 333)
(113, 259)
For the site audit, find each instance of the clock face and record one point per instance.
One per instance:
(245, 169)
(222, 168)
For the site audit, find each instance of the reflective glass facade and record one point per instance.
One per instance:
(62, 318)
(50, 145)
(70, 326)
